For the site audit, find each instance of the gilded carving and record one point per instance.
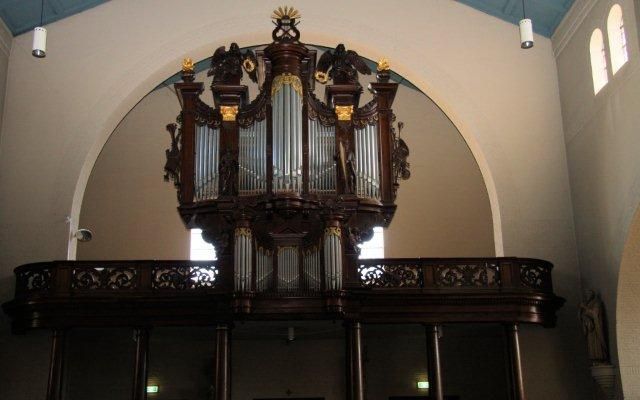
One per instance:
(246, 232)
(286, 79)
(344, 113)
(187, 65)
(229, 113)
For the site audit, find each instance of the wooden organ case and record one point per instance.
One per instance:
(287, 185)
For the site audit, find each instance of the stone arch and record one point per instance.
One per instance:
(435, 82)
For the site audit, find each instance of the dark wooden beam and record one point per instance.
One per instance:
(141, 366)
(433, 358)
(56, 365)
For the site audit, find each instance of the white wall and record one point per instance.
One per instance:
(601, 134)
(100, 63)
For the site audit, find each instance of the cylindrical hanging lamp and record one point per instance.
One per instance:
(40, 37)
(526, 30)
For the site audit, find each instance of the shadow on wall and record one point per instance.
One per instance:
(628, 312)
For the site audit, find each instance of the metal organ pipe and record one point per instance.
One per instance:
(367, 163)
(333, 258)
(287, 135)
(242, 259)
(206, 163)
(252, 158)
(321, 154)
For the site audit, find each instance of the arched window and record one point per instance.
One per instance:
(617, 38)
(598, 61)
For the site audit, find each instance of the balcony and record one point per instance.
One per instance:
(62, 294)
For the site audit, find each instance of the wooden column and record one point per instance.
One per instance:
(223, 363)
(433, 359)
(56, 365)
(348, 360)
(141, 367)
(515, 363)
(355, 365)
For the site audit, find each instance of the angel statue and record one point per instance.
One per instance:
(341, 65)
(227, 65)
(592, 319)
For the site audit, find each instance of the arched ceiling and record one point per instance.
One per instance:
(23, 15)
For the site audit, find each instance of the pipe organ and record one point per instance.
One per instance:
(286, 185)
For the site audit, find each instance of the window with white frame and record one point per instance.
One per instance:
(598, 61)
(373, 248)
(617, 38)
(201, 250)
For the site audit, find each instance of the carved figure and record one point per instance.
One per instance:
(228, 173)
(341, 65)
(227, 66)
(346, 160)
(592, 319)
(172, 165)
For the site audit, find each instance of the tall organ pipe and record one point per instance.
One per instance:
(206, 163)
(333, 258)
(287, 134)
(367, 162)
(242, 259)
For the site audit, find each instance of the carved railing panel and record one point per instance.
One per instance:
(101, 278)
(184, 277)
(467, 275)
(391, 275)
(535, 276)
(33, 280)
(453, 274)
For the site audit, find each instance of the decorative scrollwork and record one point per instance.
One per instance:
(469, 275)
(535, 276)
(366, 115)
(110, 278)
(34, 280)
(391, 276)
(206, 115)
(172, 165)
(320, 112)
(184, 277)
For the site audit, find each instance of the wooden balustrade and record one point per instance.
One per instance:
(61, 294)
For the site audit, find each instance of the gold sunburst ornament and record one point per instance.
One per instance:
(286, 12)
(187, 65)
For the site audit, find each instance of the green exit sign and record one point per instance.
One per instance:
(153, 389)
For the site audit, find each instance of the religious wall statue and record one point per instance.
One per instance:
(592, 319)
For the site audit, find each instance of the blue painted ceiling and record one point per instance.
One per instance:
(545, 14)
(23, 15)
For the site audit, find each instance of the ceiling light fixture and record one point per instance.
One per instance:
(40, 37)
(526, 30)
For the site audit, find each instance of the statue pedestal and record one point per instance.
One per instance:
(605, 377)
